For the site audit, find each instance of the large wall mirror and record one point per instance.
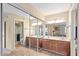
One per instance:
(55, 29)
(33, 26)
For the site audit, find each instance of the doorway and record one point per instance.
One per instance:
(19, 34)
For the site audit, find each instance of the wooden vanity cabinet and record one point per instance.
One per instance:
(63, 47)
(33, 41)
(56, 46)
(45, 44)
(27, 41)
(52, 45)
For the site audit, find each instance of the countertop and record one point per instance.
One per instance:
(52, 38)
(56, 38)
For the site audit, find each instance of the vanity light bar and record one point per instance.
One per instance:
(60, 21)
(34, 24)
(50, 22)
(55, 21)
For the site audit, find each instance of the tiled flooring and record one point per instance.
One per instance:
(49, 53)
(23, 51)
(41, 50)
(46, 52)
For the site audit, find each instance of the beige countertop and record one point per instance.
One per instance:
(56, 38)
(52, 38)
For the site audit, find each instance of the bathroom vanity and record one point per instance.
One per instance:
(33, 42)
(57, 45)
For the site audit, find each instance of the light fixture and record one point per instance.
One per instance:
(50, 22)
(34, 24)
(60, 21)
(55, 21)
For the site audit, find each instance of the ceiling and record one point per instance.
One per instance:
(51, 8)
(7, 9)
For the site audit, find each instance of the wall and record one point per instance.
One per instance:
(72, 32)
(72, 23)
(63, 16)
(10, 34)
(26, 27)
(10, 28)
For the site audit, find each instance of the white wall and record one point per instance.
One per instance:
(26, 27)
(10, 34)
(72, 23)
(72, 33)
(10, 28)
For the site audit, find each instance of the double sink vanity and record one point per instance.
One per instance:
(59, 45)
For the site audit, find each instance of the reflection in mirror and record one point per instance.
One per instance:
(36, 32)
(40, 28)
(55, 28)
(33, 33)
(33, 26)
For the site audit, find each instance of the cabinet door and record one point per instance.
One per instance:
(27, 41)
(53, 45)
(63, 47)
(33, 42)
(45, 44)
